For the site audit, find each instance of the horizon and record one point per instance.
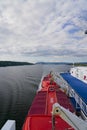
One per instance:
(41, 62)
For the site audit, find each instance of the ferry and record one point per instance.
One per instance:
(52, 108)
(77, 88)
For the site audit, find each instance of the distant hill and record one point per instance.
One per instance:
(80, 64)
(66, 63)
(55, 63)
(13, 63)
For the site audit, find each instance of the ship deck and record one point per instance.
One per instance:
(40, 113)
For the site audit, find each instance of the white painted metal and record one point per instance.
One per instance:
(9, 125)
(70, 118)
(60, 81)
(80, 73)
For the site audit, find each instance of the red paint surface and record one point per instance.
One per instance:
(45, 123)
(40, 114)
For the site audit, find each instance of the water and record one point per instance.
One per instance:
(18, 86)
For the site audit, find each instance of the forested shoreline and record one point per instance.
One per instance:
(13, 63)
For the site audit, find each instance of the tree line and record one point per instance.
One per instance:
(13, 63)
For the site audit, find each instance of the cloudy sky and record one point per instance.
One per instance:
(43, 30)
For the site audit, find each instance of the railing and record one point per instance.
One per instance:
(60, 81)
(78, 100)
(72, 93)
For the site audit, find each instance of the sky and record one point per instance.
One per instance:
(43, 30)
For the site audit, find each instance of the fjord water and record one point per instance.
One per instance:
(18, 86)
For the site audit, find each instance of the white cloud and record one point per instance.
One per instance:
(34, 29)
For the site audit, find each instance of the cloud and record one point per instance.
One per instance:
(43, 28)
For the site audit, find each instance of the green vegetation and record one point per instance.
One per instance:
(66, 63)
(13, 63)
(80, 64)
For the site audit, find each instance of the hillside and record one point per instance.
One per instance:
(13, 63)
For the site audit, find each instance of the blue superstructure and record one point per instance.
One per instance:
(78, 90)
